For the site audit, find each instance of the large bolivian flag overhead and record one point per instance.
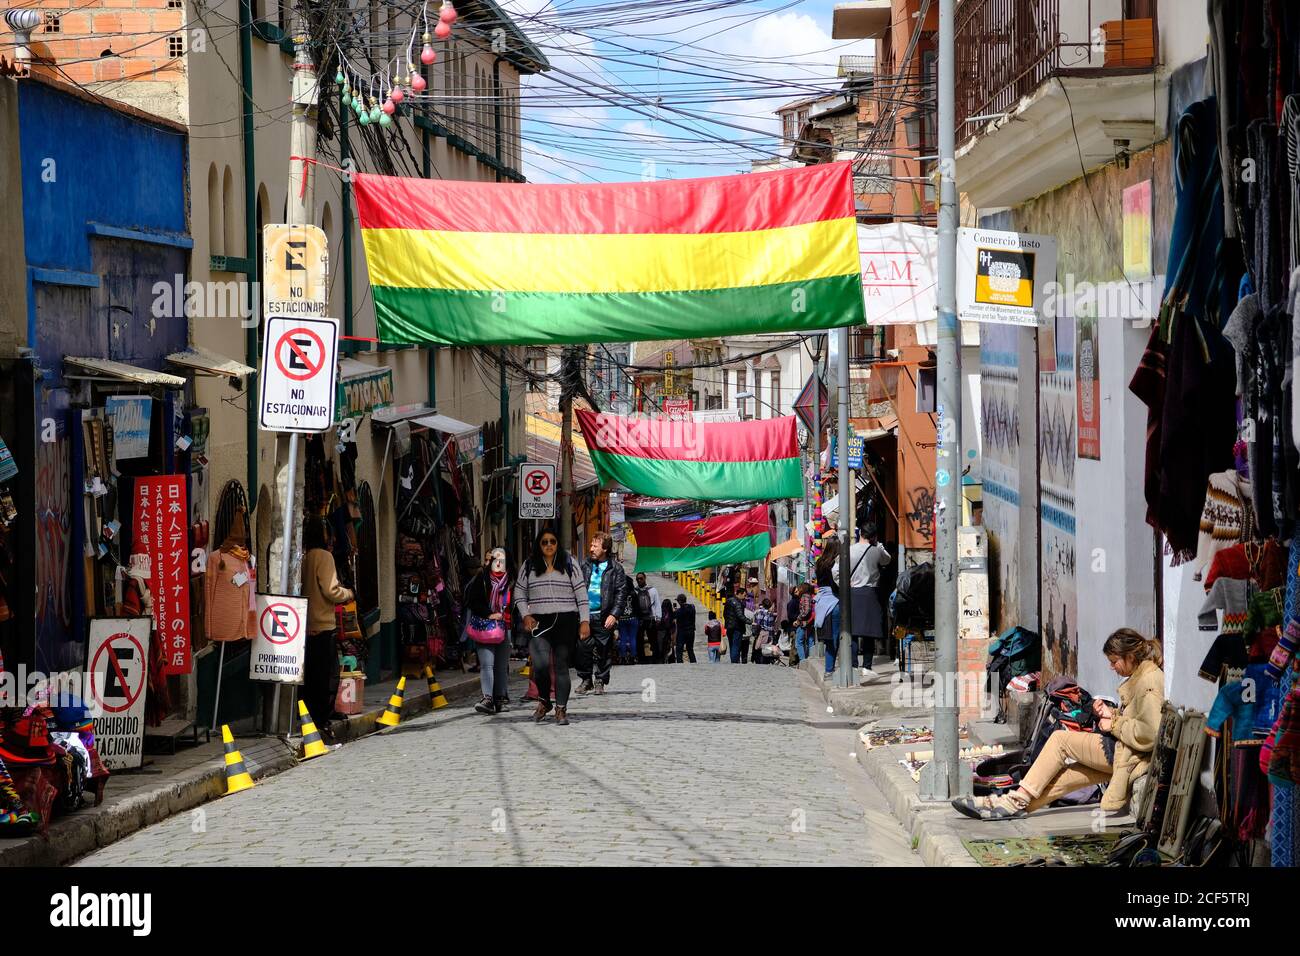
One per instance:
(705, 461)
(469, 263)
(702, 543)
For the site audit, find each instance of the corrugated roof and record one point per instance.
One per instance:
(543, 450)
(107, 368)
(210, 363)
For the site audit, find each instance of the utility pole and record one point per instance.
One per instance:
(509, 496)
(301, 196)
(567, 371)
(943, 777)
(844, 480)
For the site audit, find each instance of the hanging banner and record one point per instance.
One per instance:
(279, 650)
(473, 263)
(1087, 386)
(1003, 277)
(131, 417)
(803, 405)
(898, 278)
(1137, 230)
(718, 539)
(161, 531)
(117, 668)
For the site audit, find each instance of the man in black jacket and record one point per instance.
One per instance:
(610, 595)
(737, 624)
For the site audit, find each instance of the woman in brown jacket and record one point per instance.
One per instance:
(321, 588)
(1071, 760)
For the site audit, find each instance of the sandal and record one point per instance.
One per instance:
(987, 808)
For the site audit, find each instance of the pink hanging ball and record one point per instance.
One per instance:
(447, 14)
(389, 107)
(442, 31)
(417, 82)
(397, 94)
(427, 56)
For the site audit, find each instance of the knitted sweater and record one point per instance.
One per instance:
(1227, 518)
(553, 592)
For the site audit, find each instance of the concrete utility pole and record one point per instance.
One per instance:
(844, 481)
(943, 777)
(301, 204)
(568, 368)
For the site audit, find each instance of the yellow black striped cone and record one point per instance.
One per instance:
(237, 777)
(436, 699)
(312, 745)
(392, 715)
(527, 669)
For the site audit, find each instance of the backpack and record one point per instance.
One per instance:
(913, 602)
(644, 606)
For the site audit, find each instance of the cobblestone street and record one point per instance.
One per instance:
(677, 764)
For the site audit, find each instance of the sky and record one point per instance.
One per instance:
(668, 89)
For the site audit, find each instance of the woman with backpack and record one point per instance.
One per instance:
(1115, 755)
(551, 594)
(487, 625)
(667, 632)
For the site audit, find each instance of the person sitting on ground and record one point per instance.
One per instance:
(1072, 760)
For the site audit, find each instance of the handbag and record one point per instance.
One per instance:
(349, 623)
(484, 630)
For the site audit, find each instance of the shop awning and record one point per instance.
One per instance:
(443, 423)
(78, 367)
(206, 362)
(785, 549)
(390, 416)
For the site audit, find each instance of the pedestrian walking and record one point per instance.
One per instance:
(321, 587)
(488, 625)
(713, 638)
(764, 631)
(667, 633)
(551, 595)
(684, 617)
(609, 601)
(736, 622)
(804, 636)
(866, 558)
(645, 599)
(827, 606)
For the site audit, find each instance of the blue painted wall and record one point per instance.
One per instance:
(108, 167)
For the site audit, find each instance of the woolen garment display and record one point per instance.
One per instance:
(1227, 518)
(1228, 650)
(1284, 763)
(321, 588)
(230, 588)
(1232, 597)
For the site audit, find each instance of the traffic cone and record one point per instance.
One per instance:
(237, 777)
(392, 715)
(312, 745)
(435, 691)
(527, 669)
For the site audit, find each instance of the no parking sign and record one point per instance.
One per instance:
(280, 645)
(117, 667)
(536, 490)
(299, 362)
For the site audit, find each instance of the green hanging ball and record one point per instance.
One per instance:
(339, 78)
(356, 103)
(385, 119)
(375, 114)
(364, 119)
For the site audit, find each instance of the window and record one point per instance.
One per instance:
(216, 236)
(740, 387)
(229, 216)
(175, 46)
(52, 24)
(175, 4)
(726, 387)
(787, 126)
(776, 394)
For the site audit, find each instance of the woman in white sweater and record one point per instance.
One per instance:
(551, 594)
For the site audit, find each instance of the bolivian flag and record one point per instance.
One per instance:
(702, 543)
(706, 461)
(470, 263)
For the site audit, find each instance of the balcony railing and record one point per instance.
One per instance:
(1006, 49)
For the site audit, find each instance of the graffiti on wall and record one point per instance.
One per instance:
(920, 515)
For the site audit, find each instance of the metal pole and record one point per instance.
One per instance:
(844, 483)
(299, 210)
(943, 777)
(221, 665)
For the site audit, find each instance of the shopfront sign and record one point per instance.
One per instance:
(131, 416)
(536, 490)
(280, 645)
(1003, 277)
(162, 532)
(360, 394)
(295, 271)
(856, 446)
(677, 409)
(117, 668)
(299, 366)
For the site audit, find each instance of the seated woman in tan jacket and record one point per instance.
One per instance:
(1071, 760)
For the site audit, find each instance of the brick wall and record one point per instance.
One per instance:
(138, 34)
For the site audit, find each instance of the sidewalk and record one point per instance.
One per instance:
(167, 785)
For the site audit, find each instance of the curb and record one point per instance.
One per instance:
(932, 839)
(91, 829)
(858, 701)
